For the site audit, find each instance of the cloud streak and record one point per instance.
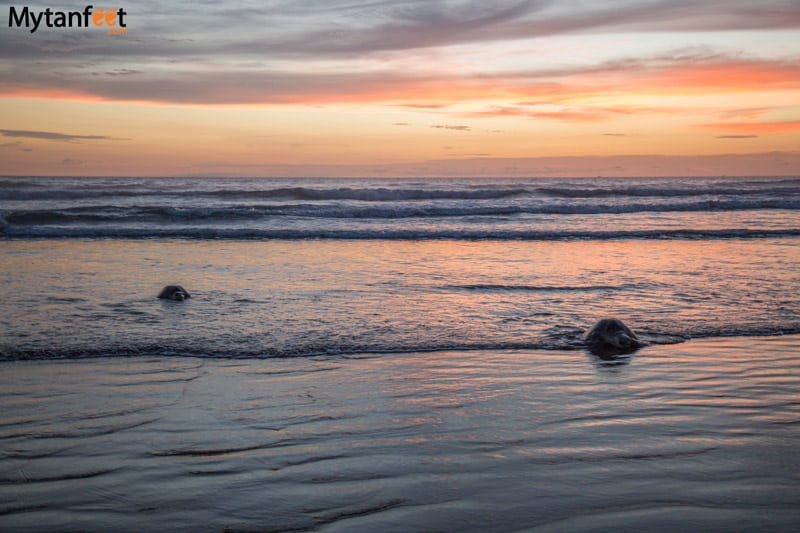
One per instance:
(753, 129)
(337, 28)
(451, 127)
(348, 51)
(55, 136)
(423, 90)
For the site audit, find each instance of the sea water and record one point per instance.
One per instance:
(398, 355)
(307, 267)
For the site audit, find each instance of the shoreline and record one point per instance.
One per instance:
(794, 337)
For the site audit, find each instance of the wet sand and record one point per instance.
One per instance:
(698, 436)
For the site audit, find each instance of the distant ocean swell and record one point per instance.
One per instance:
(532, 209)
(217, 233)
(33, 190)
(165, 214)
(283, 193)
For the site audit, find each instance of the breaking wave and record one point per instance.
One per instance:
(420, 190)
(163, 214)
(569, 339)
(387, 234)
(398, 209)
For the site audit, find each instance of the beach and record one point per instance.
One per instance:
(400, 355)
(698, 436)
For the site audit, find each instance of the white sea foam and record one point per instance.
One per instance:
(379, 209)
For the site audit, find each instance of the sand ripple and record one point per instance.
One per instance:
(699, 436)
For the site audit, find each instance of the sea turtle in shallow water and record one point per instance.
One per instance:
(174, 292)
(611, 337)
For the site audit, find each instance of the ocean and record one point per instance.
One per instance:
(398, 355)
(293, 268)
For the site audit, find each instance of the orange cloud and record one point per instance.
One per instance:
(425, 90)
(652, 77)
(729, 76)
(659, 76)
(754, 128)
(47, 93)
(546, 110)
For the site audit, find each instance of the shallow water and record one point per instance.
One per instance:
(276, 298)
(696, 436)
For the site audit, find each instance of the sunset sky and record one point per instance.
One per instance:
(406, 88)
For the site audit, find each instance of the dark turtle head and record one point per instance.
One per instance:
(174, 292)
(611, 336)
